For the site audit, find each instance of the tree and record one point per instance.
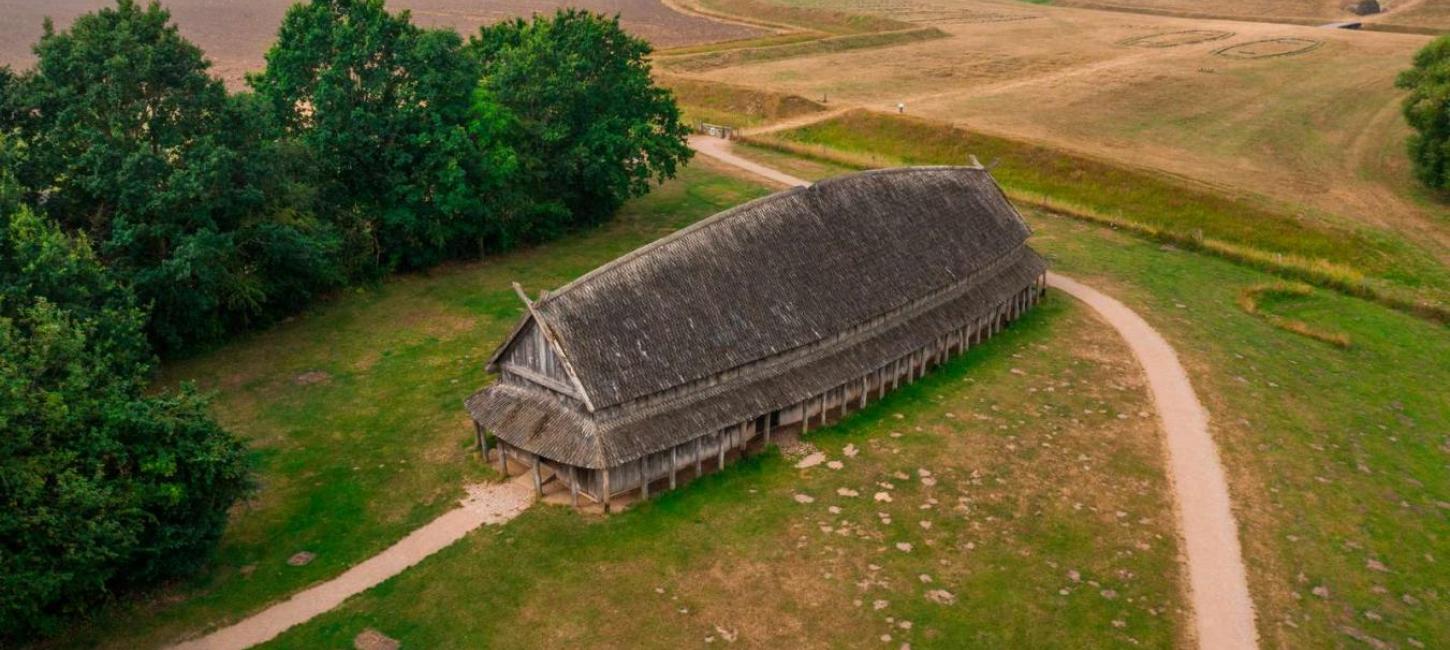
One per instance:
(101, 486)
(384, 110)
(133, 143)
(592, 129)
(1427, 109)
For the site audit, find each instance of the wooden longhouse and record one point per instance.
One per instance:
(777, 313)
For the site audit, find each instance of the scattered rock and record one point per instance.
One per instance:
(941, 597)
(1074, 576)
(884, 497)
(835, 464)
(728, 635)
(850, 451)
(847, 492)
(1320, 591)
(1376, 565)
(804, 498)
(311, 377)
(370, 639)
(879, 605)
(811, 460)
(301, 558)
(904, 547)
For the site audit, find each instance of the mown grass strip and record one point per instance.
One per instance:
(741, 56)
(1140, 202)
(1252, 300)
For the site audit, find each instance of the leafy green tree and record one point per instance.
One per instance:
(591, 128)
(101, 486)
(384, 110)
(1427, 109)
(135, 144)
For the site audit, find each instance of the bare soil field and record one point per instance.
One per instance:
(235, 35)
(1302, 117)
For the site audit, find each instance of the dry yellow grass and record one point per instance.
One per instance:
(1251, 301)
(1245, 112)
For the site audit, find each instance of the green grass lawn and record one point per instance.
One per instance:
(1358, 260)
(350, 464)
(1023, 479)
(1035, 442)
(1337, 458)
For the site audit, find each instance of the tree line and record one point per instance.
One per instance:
(146, 209)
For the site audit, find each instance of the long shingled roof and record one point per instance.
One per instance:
(775, 274)
(761, 306)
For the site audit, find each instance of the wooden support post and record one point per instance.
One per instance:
(604, 490)
(805, 412)
(699, 469)
(743, 439)
(865, 386)
(766, 428)
(538, 481)
(644, 478)
(479, 437)
(574, 486)
(503, 458)
(823, 409)
(674, 463)
(720, 448)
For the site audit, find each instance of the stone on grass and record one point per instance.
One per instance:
(311, 377)
(941, 597)
(811, 460)
(370, 639)
(850, 451)
(847, 492)
(904, 547)
(301, 558)
(883, 497)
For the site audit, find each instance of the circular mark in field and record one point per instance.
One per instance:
(1269, 48)
(1176, 39)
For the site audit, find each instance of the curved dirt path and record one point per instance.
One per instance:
(1221, 609)
(491, 504)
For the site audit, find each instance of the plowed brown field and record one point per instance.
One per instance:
(235, 35)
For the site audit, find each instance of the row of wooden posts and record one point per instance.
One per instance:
(911, 367)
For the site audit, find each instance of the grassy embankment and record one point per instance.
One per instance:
(1357, 262)
(738, 106)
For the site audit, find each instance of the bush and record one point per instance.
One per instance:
(101, 486)
(1427, 109)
